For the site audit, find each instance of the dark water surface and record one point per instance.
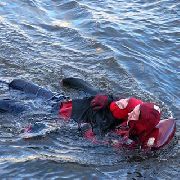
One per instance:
(128, 47)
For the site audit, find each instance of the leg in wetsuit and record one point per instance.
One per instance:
(16, 107)
(13, 106)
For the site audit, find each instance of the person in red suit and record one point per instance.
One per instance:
(105, 114)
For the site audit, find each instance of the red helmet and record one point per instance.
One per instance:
(123, 113)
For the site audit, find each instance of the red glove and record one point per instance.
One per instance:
(99, 102)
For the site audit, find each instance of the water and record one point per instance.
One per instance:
(125, 47)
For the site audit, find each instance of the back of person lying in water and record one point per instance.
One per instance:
(102, 113)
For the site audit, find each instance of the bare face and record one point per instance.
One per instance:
(122, 103)
(134, 115)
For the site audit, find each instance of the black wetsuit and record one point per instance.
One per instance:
(82, 112)
(35, 91)
(101, 120)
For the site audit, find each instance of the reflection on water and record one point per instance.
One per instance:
(125, 47)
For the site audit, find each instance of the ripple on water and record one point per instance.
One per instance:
(125, 47)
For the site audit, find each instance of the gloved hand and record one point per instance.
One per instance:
(99, 102)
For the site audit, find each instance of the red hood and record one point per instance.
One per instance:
(123, 113)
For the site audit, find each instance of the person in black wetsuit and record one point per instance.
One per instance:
(94, 109)
(103, 112)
